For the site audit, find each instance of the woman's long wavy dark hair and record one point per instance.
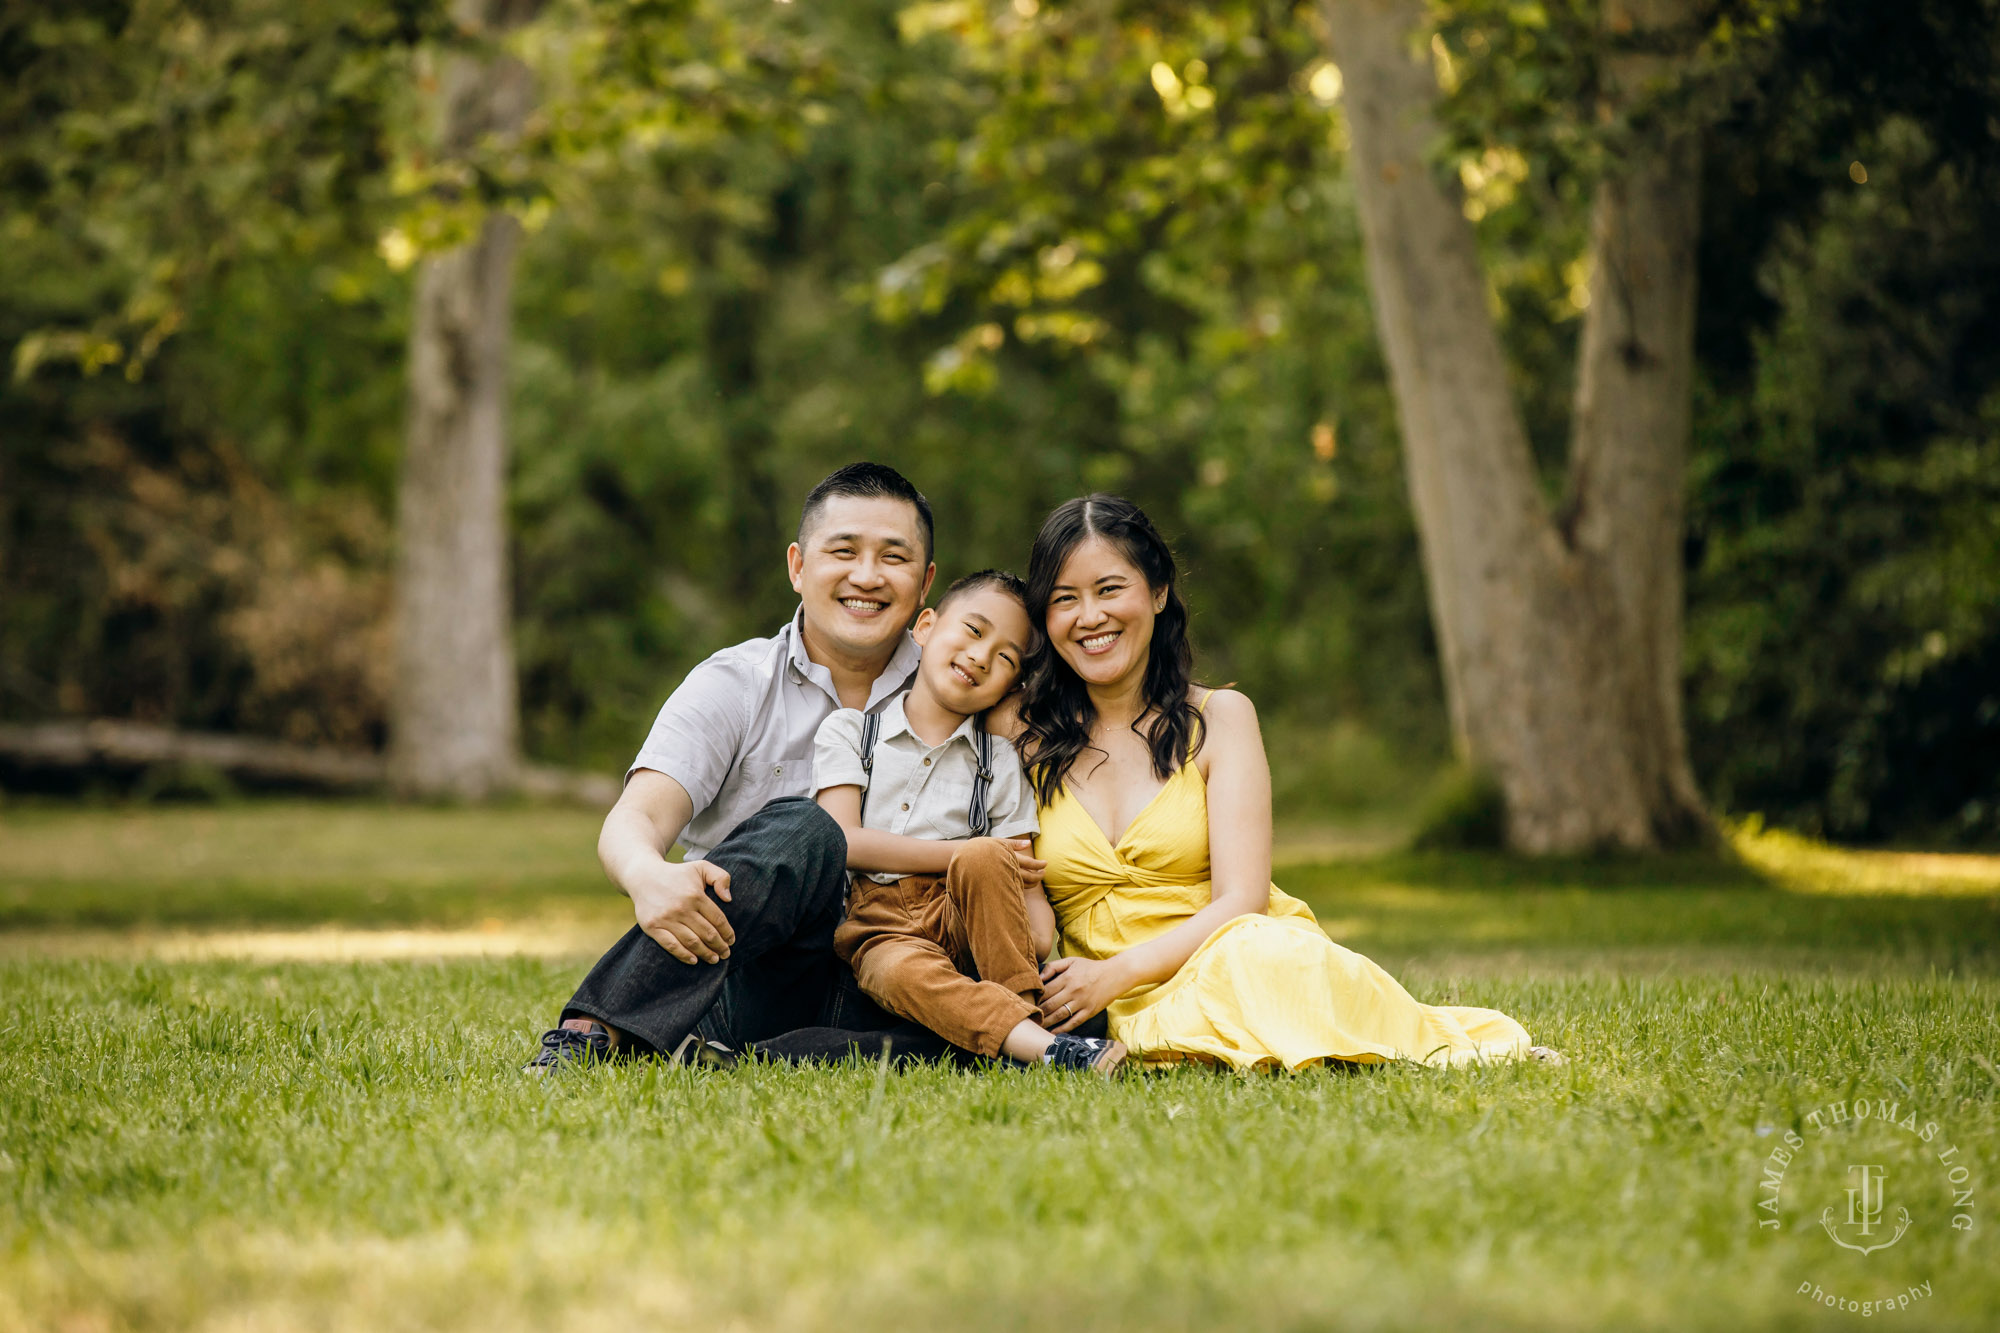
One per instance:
(1056, 711)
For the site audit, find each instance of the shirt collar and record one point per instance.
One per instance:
(895, 677)
(895, 722)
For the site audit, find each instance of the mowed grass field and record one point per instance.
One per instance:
(258, 1070)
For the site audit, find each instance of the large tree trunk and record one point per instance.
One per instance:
(1560, 636)
(455, 723)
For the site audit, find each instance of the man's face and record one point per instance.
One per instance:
(861, 572)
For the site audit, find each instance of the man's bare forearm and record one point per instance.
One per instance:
(642, 827)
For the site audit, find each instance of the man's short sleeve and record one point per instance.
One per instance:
(700, 731)
(837, 752)
(1010, 806)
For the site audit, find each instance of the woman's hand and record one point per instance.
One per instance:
(1073, 989)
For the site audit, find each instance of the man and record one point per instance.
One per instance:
(734, 944)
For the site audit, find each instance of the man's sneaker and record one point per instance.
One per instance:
(1097, 1054)
(702, 1054)
(567, 1046)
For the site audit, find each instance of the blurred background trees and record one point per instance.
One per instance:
(1018, 250)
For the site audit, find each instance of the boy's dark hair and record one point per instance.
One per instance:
(999, 580)
(868, 481)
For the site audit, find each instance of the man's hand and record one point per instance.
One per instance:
(1024, 856)
(672, 906)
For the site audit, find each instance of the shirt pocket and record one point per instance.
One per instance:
(764, 777)
(789, 776)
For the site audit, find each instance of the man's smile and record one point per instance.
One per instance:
(865, 605)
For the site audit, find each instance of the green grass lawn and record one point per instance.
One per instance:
(233, 1144)
(295, 864)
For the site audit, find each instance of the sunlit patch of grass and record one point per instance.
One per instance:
(1808, 866)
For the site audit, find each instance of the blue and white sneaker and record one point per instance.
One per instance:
(1099, 1055)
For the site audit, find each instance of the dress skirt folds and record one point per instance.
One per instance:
(1266, 989)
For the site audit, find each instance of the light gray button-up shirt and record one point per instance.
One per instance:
(921, 790)
(739, 731)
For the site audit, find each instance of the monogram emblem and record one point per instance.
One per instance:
(1865, 1203)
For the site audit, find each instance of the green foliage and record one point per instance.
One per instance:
(1019, 251)
(199, 539)
(1845, 648)
(698, 347)
(156, 143)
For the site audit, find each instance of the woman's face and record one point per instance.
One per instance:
(1100, 615)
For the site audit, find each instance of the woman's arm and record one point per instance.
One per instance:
(872, 849)
(1239, 852)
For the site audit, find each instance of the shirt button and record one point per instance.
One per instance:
(906, 805)
(927, 763)
(778, 770)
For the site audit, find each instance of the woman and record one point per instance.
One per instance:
(1155, 804)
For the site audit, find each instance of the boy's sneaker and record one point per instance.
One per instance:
(566, 1046)
(1099, 1055)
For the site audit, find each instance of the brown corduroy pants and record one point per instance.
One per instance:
(950, 951)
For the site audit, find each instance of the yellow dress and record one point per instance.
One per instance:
(1263, 989)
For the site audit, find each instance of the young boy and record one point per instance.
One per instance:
(942, 930)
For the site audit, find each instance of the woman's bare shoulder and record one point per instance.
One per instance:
(1229, 728)
(1224, 707)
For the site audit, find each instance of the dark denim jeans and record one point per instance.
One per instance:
(781, 991)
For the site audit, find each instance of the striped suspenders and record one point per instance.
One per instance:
(976, 817)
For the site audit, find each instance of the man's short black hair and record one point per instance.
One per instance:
(999, 580)
(868, 481)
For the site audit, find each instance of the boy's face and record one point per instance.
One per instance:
(974, 650)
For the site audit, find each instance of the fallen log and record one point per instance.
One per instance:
(108, 743)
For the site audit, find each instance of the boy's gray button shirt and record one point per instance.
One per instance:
(738, 733)
(922, 790)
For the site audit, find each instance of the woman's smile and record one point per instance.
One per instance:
(1099, 642)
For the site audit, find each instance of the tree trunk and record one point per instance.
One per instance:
(455, 723)
(1560, 639)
